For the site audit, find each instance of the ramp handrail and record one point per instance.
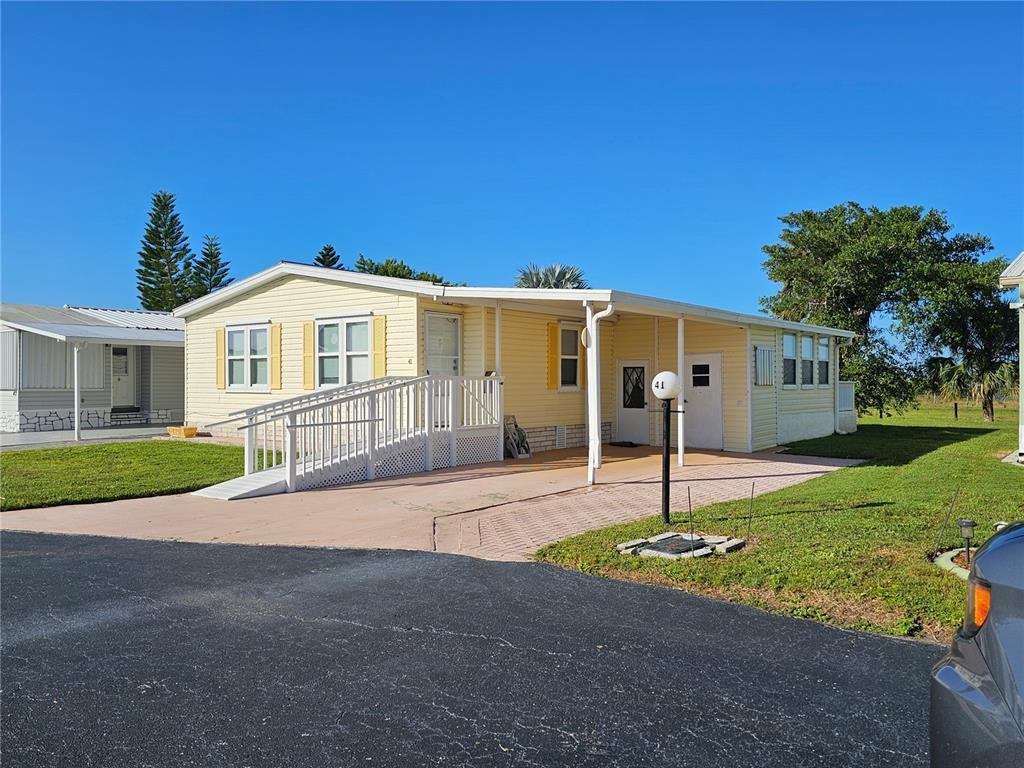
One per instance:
(350, 430)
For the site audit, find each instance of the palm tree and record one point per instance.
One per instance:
(551, 276)
(967, 380)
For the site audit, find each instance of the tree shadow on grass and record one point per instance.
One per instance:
(887, 445)
(800, 509)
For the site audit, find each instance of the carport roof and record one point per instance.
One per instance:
(96, 325)
(569, 298)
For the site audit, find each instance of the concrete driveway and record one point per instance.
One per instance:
(499, 511)
(135, 653)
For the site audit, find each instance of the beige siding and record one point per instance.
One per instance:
(765, 400)
(290, 301)
(167, 380)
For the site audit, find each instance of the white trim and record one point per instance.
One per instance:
(750, 397)
(627, 302)
(458, 338)
(564, 325)
(343, 353)
(795, 358)
(246, 358)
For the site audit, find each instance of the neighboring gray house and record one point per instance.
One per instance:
(130, 367)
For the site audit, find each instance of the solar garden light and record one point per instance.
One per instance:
(666, 386)
(967, 533)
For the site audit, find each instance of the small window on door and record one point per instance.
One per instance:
(119, 357)
(633, 387)
(700, 374)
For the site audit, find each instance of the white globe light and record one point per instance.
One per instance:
(666, 386)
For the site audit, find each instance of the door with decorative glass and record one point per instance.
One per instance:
(634, 423)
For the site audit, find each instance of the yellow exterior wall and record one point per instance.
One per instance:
(290, 301)
(764, 400)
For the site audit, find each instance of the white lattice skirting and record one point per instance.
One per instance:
(472, 446)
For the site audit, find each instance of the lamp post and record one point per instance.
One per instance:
(666, 387)
(967, 533)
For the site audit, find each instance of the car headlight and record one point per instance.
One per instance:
(979, 603)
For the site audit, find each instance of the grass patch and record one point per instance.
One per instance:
(43, 477)
(849, 548)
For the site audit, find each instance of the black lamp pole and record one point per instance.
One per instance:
(666, 439)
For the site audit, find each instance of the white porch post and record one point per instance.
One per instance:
(77, 346)
(681, 373)
(1020, 376)
(593, 346)
(289, 451)
(497, 338)
(499, 384)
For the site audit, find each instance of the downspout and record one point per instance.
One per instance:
(592, 343)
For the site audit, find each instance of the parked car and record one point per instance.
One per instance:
(977, 690)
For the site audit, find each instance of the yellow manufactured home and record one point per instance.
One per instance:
(572, 366)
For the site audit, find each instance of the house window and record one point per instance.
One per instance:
(824, 357)
(248, 357)
(807, 360)
(569, 357)
(789, 359)
(343, 351)
(700, 374)
(764, 366)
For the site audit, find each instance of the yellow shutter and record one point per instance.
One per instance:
(553, 355)
(275, 356)
(583, 364)
(380, 350)
(221, 373)
(308, 356)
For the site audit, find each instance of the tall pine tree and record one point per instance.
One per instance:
(210, 271)
(164, 275)
(328, 257)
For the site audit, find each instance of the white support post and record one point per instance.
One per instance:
(78, 394)
(681, 403)
(593, 347)
(250, 444)
(497, 338)
(289, 451)
(499, 408)
(454, 417)
(428, 417)
(1020, 377)
(371, 436)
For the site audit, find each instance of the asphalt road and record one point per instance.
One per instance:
(134, 653)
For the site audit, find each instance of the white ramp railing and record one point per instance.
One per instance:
(385, 427)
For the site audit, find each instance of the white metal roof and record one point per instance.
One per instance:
(1013, 274)
(624, 302)
(108, 326)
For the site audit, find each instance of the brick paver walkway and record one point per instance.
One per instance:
(514, 530)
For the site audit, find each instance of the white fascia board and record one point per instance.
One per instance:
(37, 331)
(1013, 274)
(670, 308)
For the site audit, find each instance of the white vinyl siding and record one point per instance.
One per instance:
(48, 364)
(8, 359)
(166, 377)
(765, 399)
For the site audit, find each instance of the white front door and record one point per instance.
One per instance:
(442, 336)
(634, 422)
(122, 369)
(703, 388)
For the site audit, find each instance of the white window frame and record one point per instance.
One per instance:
(246, 357)
(817, 361)
(343, 353)
(814, 361)
(562, 355)
(795, 358)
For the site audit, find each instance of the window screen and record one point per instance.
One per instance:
(789, 359)
(806, 359)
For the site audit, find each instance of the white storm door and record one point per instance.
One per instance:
(634, 423)
(442, 340)
(703, 388)
(122, 379)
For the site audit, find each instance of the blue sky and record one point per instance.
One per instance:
(654, 145)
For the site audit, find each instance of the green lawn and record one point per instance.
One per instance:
(43, 477)
(848, 548)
